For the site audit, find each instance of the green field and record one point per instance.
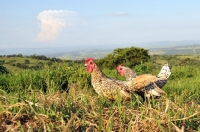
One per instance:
(31, 100)
(11, 62)
(176, 50)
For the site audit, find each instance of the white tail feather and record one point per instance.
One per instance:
(152, 92)
(164, 72)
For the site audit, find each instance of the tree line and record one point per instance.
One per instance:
(34, 56)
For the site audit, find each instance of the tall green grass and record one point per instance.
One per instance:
(33, 101)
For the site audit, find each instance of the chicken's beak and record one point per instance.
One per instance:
(85, 65)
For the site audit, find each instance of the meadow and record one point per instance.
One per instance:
(59, 97)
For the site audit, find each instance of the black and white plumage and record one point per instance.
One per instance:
(152, 84)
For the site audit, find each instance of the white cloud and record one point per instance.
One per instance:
(52, 22)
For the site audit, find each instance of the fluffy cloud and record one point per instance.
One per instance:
(52, 22)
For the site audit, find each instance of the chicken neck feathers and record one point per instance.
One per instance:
(107, 86)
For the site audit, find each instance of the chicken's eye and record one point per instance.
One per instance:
(120, 68)
(90, 63)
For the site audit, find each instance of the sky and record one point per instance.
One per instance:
(62, 23)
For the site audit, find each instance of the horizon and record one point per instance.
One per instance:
(158, 48)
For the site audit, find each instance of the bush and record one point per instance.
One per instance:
(2, 68)
(27, 62)
(126, 56)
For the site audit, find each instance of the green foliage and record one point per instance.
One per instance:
(48, 79)
(4, 82)
(126, 56)
(183, 72)
(27, 62)
(141, 69)
(2, 68)
(13, 62)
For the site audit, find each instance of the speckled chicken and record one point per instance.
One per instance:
(104, 85)
(150, 83)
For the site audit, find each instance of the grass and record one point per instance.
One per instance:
(9, 61)
(196, 57)
(24, 106)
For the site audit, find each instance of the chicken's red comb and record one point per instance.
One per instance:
(119, 66)
(86, 60)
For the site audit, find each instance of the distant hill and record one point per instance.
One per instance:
(98, 51)
(54, 51)
(187, 49)
(167, 44)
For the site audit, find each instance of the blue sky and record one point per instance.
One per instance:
(62, 23)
